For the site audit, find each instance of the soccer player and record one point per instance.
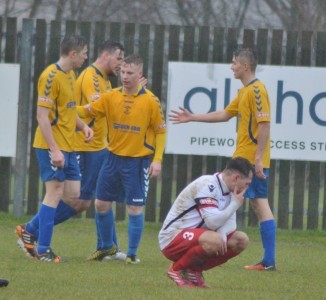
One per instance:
(252, 108)
(91, 84)
(54, 144)
(198, 233)
(136, 131)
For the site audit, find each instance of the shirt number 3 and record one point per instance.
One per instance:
(188, 235)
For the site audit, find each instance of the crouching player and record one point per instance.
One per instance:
(199, 232)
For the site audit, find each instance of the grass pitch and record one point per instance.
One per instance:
(301, 268)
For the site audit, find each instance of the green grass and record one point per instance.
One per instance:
(301, 263)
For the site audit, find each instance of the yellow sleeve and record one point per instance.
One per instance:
(159, 146)
(48, 90)
(94, 109)
(232, 108)
(82, 112)
(260, 102)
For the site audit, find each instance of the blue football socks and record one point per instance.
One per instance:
(135, 230)
(63, 213)
(99, 239)
(268, 237)
(32, 225)
(46, 217)
(114, 234)
(104, 225)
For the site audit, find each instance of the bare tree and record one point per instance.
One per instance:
(299, 14)
(34, 7)
(60, 9)
(286, 14)
(9, 6)
(13, 8)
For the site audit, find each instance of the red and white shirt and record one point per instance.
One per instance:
(204, 203)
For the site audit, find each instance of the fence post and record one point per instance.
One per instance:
(115, 32)
(313, 195)
(20, 170)
(85, 31)
(55, 41)
(298, 195)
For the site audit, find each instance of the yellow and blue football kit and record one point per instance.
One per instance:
(56, 91)
(134, 121)
(90, 86)
(137, 129)
(251, 106)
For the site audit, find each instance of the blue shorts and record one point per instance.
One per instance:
(90, 163)
(49, 172)
(258, 187)
(124, 178)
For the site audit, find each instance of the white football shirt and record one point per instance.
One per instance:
(200, 205)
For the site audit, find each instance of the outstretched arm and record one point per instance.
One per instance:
(184, 116)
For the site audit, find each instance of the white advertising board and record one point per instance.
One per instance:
(298, 109)
(9, 94)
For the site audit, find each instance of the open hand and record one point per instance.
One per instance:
(182, 116)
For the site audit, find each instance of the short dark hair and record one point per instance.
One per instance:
(241, 165)
(248, 54)
(72, 42)
(110, 46)
(134, 59)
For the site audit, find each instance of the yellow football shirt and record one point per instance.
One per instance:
(251, 106)
(56, 91)
(91, 84)
(133, 120)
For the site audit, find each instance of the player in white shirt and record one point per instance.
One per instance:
(199, 232)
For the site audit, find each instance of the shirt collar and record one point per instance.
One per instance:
(140, 90)
(223, 186)
(99, 71)
(59, 68)
(252, 82)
